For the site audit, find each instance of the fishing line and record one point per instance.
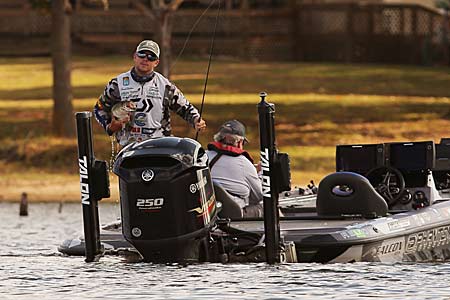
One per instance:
(190, 33)
(209, 65)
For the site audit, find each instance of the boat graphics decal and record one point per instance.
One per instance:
(201, 210)
(357, 232)
(390, 247)
(352, 254)
(206, 197)
(389, 250)
(399, 224)
(428, 239)
(84, 180)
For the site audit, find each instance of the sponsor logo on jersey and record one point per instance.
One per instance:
(148, 130)
(126, 81)
(135, 129)
(139, 119)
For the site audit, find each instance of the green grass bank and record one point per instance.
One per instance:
(317, 106)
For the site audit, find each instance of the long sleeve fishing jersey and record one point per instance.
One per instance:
(154, 96)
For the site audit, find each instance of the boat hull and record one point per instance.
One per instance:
(414, 236)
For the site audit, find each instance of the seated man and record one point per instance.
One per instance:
(232, 167)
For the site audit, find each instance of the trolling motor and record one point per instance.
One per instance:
(275, 178)
(94, 185)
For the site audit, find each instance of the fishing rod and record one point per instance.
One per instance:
(209, 65)
(189, 35)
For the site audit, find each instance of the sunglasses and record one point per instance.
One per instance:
(150, 57)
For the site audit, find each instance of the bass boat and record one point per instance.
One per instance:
(386, 202)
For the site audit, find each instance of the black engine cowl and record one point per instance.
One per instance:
(167, 199)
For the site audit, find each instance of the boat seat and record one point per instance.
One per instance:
(348, 193)
(230, 209)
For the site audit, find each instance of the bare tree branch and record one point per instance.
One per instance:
(68, 7)
(174, 4)
(144, 9)
(157, 4)
(160, 12)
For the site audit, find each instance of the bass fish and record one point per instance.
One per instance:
(122, 109)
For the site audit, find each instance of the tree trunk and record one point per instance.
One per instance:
(161, 14)
(63, 120)
(165, 38)
(446, 49)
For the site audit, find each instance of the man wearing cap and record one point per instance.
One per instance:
(232, 167)
(135, 105)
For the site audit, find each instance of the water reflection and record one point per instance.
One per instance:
(31, 267)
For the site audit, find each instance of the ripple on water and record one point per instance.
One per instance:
(31, 267)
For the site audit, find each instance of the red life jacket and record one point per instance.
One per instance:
(229, 150)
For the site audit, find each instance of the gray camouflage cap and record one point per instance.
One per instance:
(148, 45)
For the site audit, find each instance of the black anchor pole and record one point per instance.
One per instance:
(266, 113)
(89, 202)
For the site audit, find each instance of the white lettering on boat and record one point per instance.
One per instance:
(265, 166)
(84, 180)
(428, 239)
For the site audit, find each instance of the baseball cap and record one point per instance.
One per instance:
(234, 127)
(148, 45)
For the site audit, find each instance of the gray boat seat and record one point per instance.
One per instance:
(348, 193)
(230, 209)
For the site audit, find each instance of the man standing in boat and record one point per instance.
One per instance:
(232, 168)
(135, 105)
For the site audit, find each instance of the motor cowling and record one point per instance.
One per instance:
(167, 200)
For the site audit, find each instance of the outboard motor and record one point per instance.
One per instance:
(167, 198)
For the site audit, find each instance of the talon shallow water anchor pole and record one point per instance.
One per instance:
(266, 113)
(89, 202)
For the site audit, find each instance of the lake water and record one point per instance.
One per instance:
(32, 268)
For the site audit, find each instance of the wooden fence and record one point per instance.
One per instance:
(327, 32)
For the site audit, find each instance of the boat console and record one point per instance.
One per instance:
(402, 173)
(359, 158)
(441, 171)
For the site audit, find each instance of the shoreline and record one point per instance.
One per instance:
(55, 189)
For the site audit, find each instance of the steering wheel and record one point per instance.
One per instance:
(388, 182)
